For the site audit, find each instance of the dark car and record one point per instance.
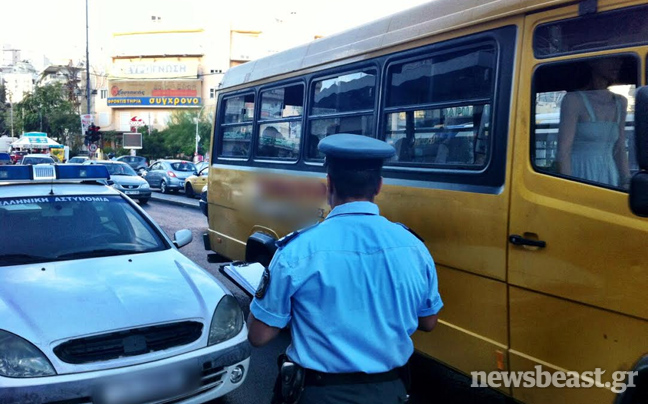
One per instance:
(203, 201)
(17, 155)
(137, 163)
(5, 159)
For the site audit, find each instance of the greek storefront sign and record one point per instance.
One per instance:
(162, 69)
(158, 93)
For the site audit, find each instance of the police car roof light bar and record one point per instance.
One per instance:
(44, 172)
(16, 173)
(82, 172)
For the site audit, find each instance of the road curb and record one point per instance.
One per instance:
(174, 202)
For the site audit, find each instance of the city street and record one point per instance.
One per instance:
(440, 385)
(257, 387)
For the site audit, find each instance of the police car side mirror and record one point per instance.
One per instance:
(182, 237)
(110, 182)
(638, 197)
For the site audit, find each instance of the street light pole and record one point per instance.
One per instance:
(197, 137)
(87, 64)
(197, 121)
(12, 125)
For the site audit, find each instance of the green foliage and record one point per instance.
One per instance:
(180, 135)
(49, 110)
(5, 117)
(153, 146)
(178, 139)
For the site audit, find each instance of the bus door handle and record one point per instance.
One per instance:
(516, 239)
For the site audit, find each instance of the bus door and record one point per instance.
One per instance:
(577, 255)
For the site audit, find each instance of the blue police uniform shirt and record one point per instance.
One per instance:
(352, 289)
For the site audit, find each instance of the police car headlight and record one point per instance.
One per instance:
(227, 321)
(145, 185)
(19, 358)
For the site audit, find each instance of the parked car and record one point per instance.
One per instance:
(203, 201)
(97, 303)
(194, 183)
(201, 164)
(137, 163)
(126, 180)
(5, 159)
(169, 175)
(30, 159)
(17, 155)
(78, 159)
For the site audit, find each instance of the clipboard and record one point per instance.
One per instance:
(246, 276)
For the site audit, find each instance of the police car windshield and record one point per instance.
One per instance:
(57, 228)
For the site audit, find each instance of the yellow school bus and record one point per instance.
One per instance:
(514, 125)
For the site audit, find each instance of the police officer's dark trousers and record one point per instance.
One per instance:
(347, 388)
(391, 392)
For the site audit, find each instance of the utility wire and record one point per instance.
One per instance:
(195, 77)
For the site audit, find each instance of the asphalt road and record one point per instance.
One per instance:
(257, 387)
(433, 383)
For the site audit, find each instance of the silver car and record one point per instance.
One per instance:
(169, 175)
(126, 180)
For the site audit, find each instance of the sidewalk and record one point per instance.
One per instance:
(175, 199)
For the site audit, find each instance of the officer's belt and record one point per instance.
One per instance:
(315, 378)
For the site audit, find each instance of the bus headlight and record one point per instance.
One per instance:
(19, 358)
(227, 321)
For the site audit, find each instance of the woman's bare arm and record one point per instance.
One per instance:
(569, 113)
(620, 152)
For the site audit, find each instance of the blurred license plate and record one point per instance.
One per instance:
(147, 387)
(132, 192)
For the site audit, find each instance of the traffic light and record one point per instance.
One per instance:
(92, 134)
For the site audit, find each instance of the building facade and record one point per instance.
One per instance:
(152, 73)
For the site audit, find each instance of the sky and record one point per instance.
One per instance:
(56, 28)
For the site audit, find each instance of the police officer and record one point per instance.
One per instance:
(352, 288)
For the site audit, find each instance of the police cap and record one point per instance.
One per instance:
(355, 151)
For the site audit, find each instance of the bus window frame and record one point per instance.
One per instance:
(620, 9)
(491, 180)
(580, 57)
(220, 125)
(358, 67)
(258, 122)
(431, 167)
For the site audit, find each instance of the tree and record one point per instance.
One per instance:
(5, 119)
(180, 135)
(153, 146)
(49, 110)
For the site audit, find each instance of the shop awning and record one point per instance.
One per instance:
(36, 140)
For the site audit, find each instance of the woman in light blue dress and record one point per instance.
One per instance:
(591, 138)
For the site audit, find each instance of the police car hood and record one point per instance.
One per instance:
(53, 302)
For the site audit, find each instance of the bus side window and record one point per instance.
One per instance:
(456, 135)
(236, 128)
(351, 92)
(584, 127)
(280, 128)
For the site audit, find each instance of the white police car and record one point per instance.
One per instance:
(97, 305)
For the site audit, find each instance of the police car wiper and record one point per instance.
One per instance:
(100, 252)
(13, 259)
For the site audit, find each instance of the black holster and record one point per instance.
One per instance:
(290, 381)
